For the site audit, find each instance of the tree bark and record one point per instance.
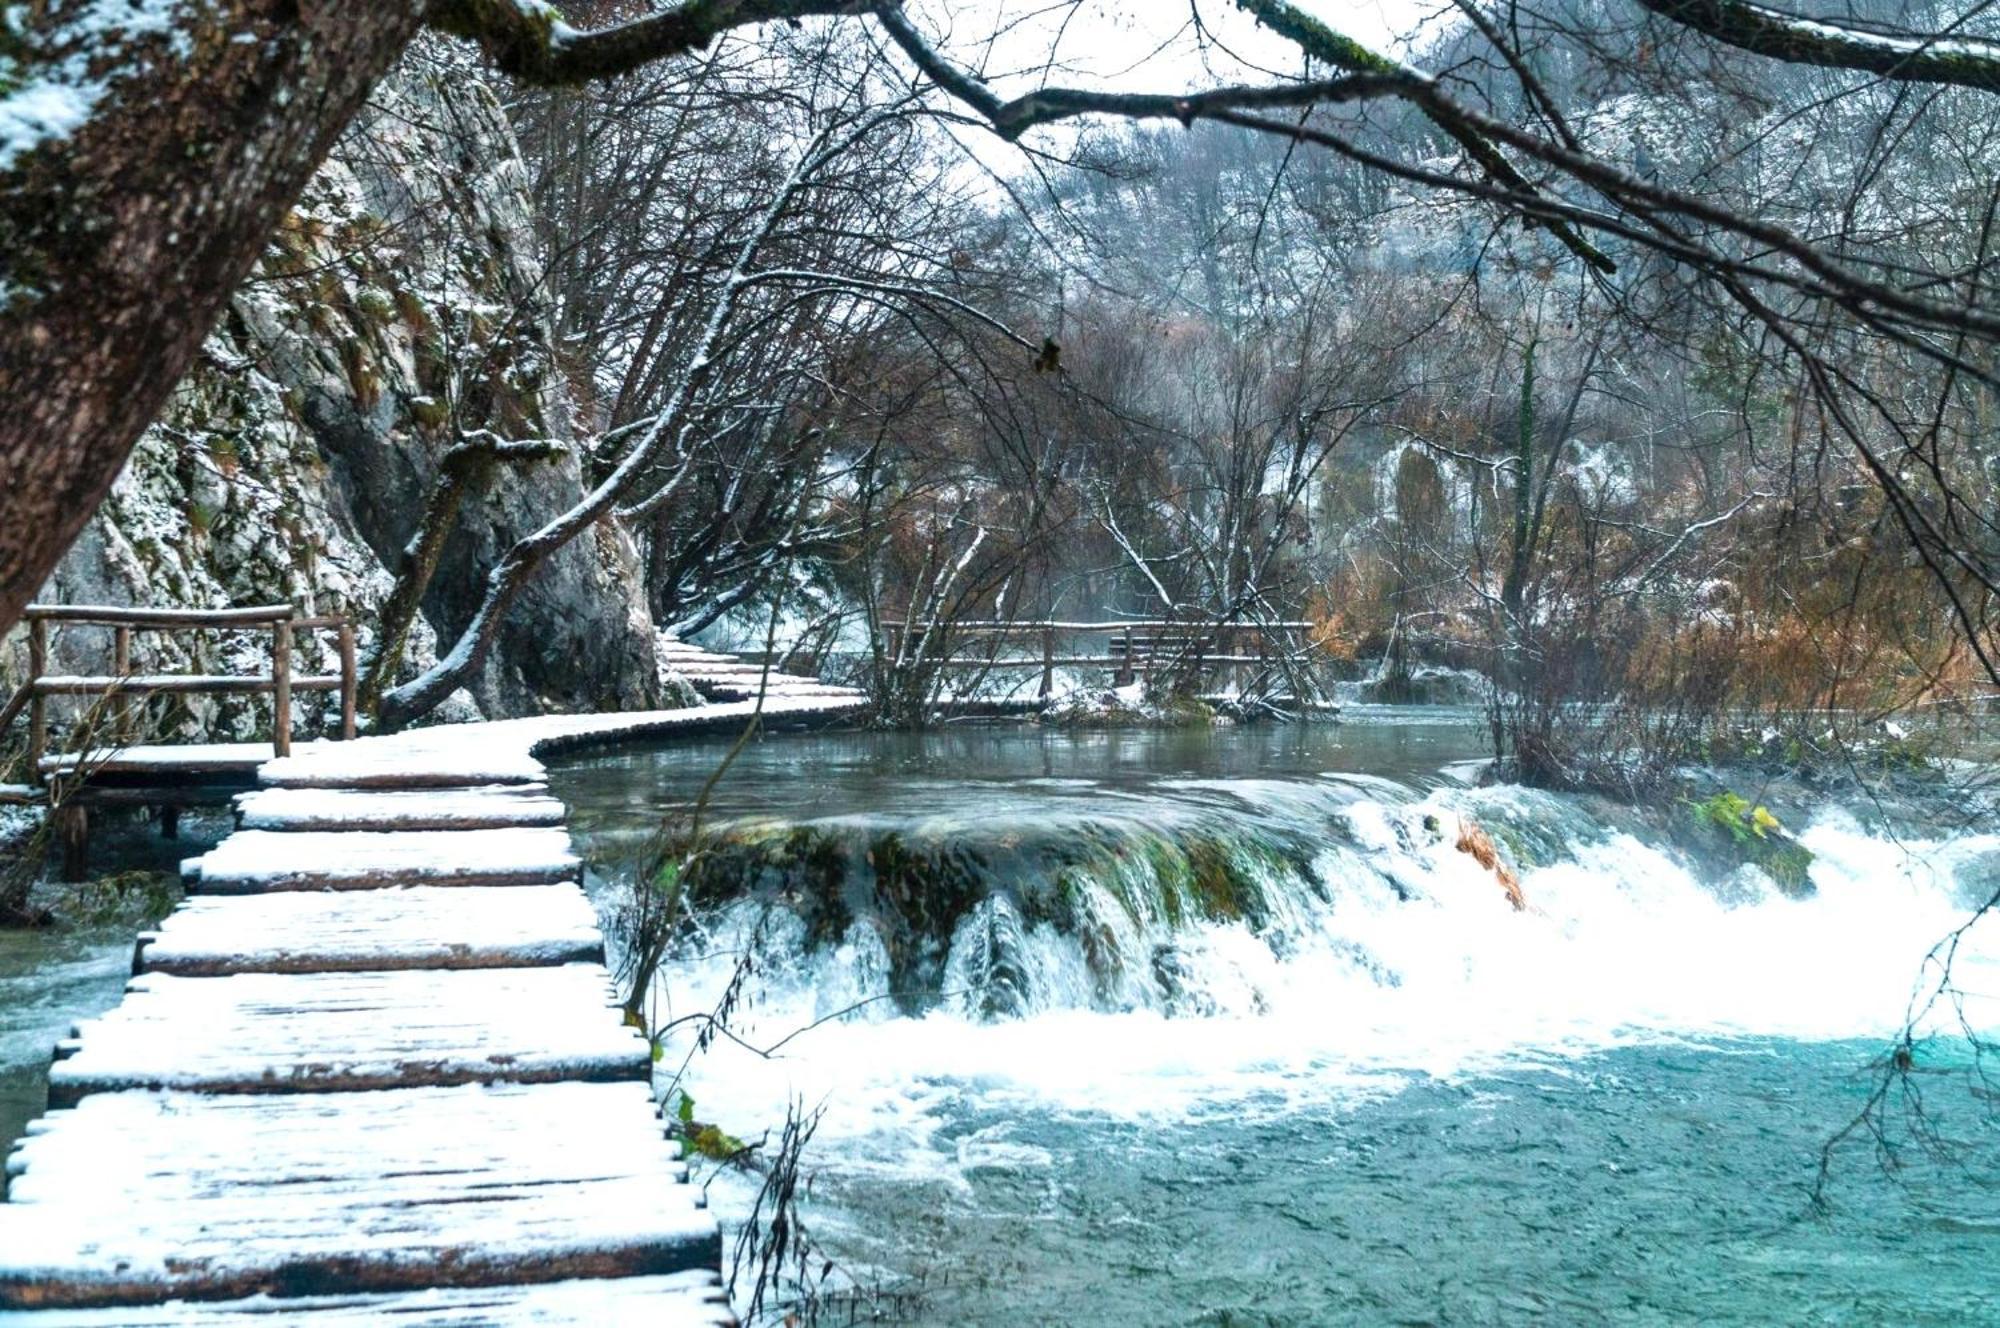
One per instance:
(120, 243)
(1948, 57)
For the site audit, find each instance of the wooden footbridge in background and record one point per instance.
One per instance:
(373, 1070)
(1131, 650)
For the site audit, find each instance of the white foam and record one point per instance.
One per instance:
(1621, 945)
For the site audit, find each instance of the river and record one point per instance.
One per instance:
(1220, 1028)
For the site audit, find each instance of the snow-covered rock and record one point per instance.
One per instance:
(399, 307)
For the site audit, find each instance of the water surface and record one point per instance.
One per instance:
(51, 977)
(1380, 1095)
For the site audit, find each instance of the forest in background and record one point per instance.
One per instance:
(1213, 374)
(819, 359)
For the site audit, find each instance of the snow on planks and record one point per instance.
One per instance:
(66, 1254)
(309, 931)
(489, 807)
(390, 765)
(397, 917)
(253, 861)
(677, 1300)
(412, 1144)
(151, 1195)
(212, 758)
(728, 675)
(344, 1032)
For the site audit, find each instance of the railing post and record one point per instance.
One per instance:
(1123, 677)
(72, 826)
(1048, 662)
(121, 657)
(347, 679)
(38, 706)
(281, 687)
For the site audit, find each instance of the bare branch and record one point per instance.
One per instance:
(1968, 62)
(529, 39)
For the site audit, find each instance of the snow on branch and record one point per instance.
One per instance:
(1366, 76)
(51, 83)
(1971, 62)
(529, 39)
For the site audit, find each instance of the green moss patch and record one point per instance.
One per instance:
(1729, 827)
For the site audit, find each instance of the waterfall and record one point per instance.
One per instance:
(1305, 923)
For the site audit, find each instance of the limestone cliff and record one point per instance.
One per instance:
(398, 311)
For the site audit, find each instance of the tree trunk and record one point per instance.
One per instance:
(121, 242)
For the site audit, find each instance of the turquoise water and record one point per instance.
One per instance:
(1661, 1185)
(1389, 1099)
(48, 981)
(51, 977)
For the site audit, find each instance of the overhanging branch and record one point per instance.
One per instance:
(1011, 119)
(1968, 62)
(529, 39)
(1322, 43)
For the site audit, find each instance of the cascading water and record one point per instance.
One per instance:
(1034, 954)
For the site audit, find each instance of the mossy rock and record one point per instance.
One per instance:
(376, 308)
(1187, 712)
(1727, 827)
(429, 412)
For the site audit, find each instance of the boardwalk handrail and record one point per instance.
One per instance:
(282, 620)
(1134, 647)
(1031, 626)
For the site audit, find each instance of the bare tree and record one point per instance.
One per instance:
(126, 219)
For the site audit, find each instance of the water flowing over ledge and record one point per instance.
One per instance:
(1069, 977)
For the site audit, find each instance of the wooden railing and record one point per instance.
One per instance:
(282, 621)
(1133, 648)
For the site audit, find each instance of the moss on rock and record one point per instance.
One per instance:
(1728, 827)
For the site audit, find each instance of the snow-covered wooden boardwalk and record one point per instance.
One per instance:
(373, 1069)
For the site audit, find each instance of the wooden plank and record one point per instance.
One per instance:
(80, 1255)
(71, 821)
(281, 688)
(778, 685)
(379, 763)
(413, 1145)
(234, 758)
(121, 664)
(192, 794)
(482, 808)
(308, 931)
(253, 861)
(38, 710)
(1025, 627)
(112, 614)
(234, 684)
(349, 679)
(676, 1300)
(348, 1032)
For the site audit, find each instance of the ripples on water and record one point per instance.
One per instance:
(1386, 1097)
(52, 977)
